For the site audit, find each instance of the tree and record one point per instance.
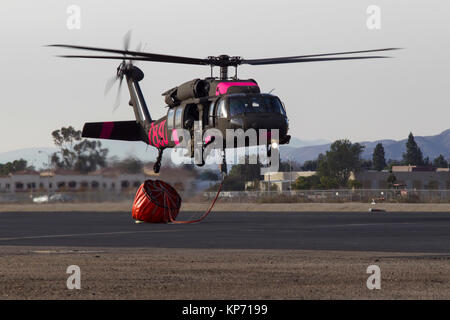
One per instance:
(89, 156)
(327, 182)
(208, 175)
(232, 183)
(129, 165)
(310, 165)
(413, 155)
(391, 180)
(285, 166)
(366, 164)
(393, 162)
(354, 184)
(15, 166)
(65, 138)
(241, 173)
(75, 153)
(307, 183)
(335, 166)
(378, 157)
(440, 162)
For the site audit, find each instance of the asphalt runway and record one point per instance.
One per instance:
(390, 232)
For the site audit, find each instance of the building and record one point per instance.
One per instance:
(412, 177)
(63, 181)
(108, 180)
(277, 181)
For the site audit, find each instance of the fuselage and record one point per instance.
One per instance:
(236, 105)
(199, 105)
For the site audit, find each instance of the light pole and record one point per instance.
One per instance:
(290, 173)
(48, 157)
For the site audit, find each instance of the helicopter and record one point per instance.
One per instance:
(224, 102)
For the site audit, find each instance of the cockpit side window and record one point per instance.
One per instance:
(262, 103)
(275, 105)
(283, 109)
(237, 105)
(258, 105)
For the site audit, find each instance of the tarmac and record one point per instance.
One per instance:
(230, 255)
(347, 231)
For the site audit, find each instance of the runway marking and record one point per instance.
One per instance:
(65, 251)
(84, 234)
(366, 224)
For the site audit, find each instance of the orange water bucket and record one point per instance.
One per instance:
(156, 202)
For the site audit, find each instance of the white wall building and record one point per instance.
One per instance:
(69, 181)
(277, 181)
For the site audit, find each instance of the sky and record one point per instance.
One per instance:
(359, 100)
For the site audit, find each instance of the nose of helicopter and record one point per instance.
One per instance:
(260, 121)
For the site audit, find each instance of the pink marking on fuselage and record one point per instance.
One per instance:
(175, 137)
(223, 87)
(107, 129)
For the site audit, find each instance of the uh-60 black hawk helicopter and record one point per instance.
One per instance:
(223, 102)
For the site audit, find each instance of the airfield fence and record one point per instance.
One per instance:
(303, 196)
(81, 197)
(335, 196)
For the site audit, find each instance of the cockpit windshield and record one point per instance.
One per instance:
(252, 104)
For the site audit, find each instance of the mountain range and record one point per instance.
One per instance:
(431, 146)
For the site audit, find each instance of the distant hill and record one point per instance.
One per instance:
(32, 155)
(119, 149)
(298, 150)
(431, 146)
(297, 143)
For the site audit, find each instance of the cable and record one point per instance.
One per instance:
(205, 214)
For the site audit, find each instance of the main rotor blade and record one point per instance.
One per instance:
(128, 58)
(280, 61)
(147, 55)
(257, 61)
(126, 40)
(138, 49)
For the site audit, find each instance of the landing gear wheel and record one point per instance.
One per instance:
(198, 155)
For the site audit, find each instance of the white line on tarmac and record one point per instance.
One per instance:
(84, 234)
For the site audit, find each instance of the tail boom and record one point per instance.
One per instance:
(115, 130)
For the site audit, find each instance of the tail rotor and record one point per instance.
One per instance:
(121, 70)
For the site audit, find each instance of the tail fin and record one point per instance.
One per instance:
(117, 130)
